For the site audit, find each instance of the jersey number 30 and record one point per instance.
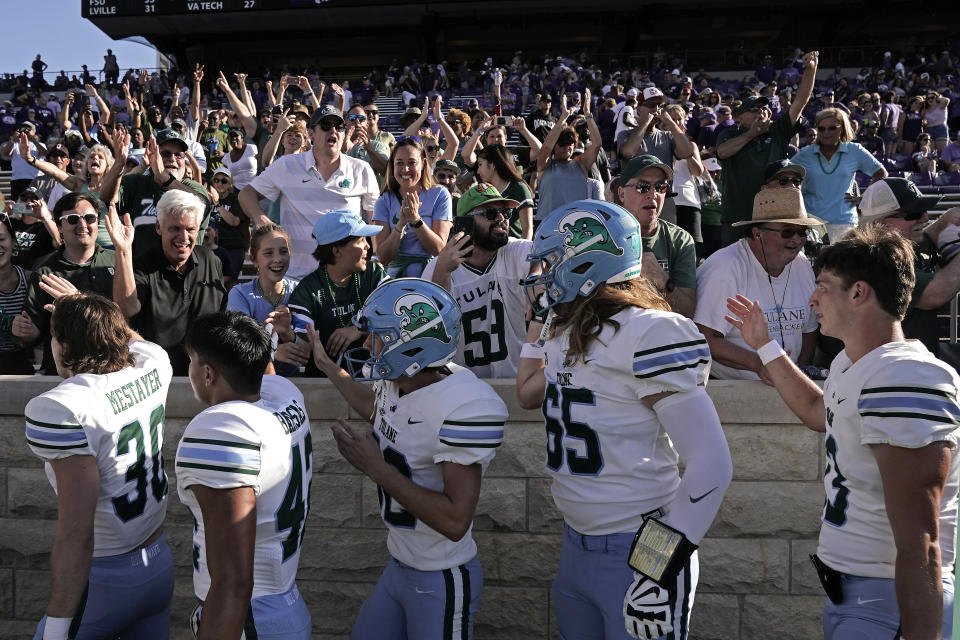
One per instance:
(590, 462)
(126, 508)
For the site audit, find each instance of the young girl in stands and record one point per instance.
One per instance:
(265, 297)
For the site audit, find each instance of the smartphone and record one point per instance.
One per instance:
(278, 110)
(502, 121)
(22, 208)
(464, 224)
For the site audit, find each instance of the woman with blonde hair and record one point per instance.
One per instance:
(416, 215)
(832, 163)
(97, 163)
(619, 379)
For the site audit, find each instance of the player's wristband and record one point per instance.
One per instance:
(770, 352)
(531, 350)
(56, 628)
(659, 552)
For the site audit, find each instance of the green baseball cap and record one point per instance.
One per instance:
(641, 163)
(171, 135)
(480, 194)
(751, 102)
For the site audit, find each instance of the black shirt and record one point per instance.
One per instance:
(170, 300)
(31, 242)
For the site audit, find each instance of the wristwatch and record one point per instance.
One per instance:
(169, 181)
(417, 224)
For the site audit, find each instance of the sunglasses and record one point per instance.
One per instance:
(832, 127)
(372, 114)
(431, 148)
(643, 187)
(220, 181)
(789, 232)
(74, 218)
(909, 217)
(356, 117)
(172, 154)
(326, 125)
(493, 213)
(445, 176)
(784, 181)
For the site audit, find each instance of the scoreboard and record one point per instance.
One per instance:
(136, 8)
(133, 8)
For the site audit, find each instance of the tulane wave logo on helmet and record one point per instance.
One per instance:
(419, 317)
(585, 232)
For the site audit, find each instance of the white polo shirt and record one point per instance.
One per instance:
(305, 196)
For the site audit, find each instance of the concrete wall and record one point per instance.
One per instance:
(756, 581)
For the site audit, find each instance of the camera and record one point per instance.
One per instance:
(502, 121)
(277, 110)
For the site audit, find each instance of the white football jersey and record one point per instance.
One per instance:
(458, 419)
(898, 394)
(264, 445)
(494, 307)
(609, 456)
(118, 419)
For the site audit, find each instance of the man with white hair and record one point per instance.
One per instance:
(172, 284)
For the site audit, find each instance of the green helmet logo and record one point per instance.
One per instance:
(420, 318)
(585, 232)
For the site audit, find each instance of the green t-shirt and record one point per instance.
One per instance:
(310, 302)
(923, 324)
(676, 253)
(743, 171)
(230, 237)
(223, 146)
(520, 192)
(139, 194)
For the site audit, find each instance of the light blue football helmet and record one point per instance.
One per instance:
(418, 324)
(579, 246)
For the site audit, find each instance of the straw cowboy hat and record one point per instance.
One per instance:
(780, 205)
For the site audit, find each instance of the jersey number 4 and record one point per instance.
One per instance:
(126, 508)
(590, 462)
(485, 354)
(295, 506)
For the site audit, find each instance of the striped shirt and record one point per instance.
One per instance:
(11, 304)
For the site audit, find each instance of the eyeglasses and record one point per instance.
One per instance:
(372, 114)
(431, 148)
(73, 218)
(326, 125)
(220, 181)
(643, 187)
(453, 122)
(166, 153)
(789, 232)
(493, 213)
(909, 217)
(784, 181)
(832, 127)
(356, 117)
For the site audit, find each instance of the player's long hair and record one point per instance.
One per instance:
(92, 333)
(585, 317)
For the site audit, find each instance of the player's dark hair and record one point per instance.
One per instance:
(324, 252)
(878, 256)
(585, 317)
(70, 201)
(234, 344)
(92, 332)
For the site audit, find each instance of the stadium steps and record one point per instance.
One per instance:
(5, 184)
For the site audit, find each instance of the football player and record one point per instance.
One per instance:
(100, 433)
(620, 378)
(244, 467)
(890, 414)
(436, 426)
(481, 269)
